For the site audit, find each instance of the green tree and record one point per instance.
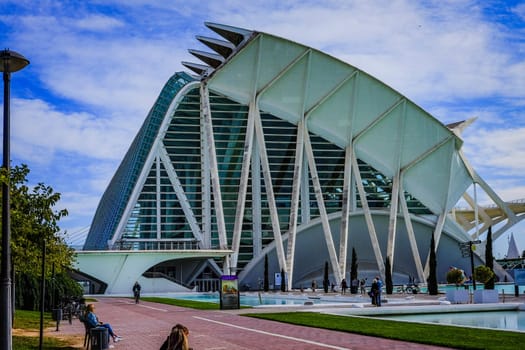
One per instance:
(325, 277)
(489, 260)
(389, 285)
(283, 281)
(455, 276)
(34, 220)
(483, 274)
(432, 267)
(266, 282)
(353, 271)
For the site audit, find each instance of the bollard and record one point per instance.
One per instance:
(57, 316)
(99, 338)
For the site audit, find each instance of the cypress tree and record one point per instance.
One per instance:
(489, 259)
(266, 285)
(283, 281)
(432, 264)
(325, 277)
(388, 277)
(353, 271)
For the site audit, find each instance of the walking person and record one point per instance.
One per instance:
(374, 292)
(344, 286)
(380, 286)
(362, 285)
(136, 292)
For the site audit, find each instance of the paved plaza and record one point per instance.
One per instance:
(146, 325)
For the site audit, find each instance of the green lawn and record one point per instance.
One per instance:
(30, 321)
(449, 336)
(200, 305)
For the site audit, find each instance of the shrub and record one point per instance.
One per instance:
(483, 274)
(455, 276)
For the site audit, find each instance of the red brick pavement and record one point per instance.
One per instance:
(146, 325)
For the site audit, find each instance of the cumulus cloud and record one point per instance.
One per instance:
(98, 23)
(80, 133)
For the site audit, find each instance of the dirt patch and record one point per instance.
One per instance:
(73, 340)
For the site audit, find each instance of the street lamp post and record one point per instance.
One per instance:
(10, 62)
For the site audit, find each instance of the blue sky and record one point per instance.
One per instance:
(98, 66)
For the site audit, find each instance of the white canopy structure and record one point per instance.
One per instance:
(279, 150)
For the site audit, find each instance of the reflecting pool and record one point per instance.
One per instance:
(504, 320)
(266, 299)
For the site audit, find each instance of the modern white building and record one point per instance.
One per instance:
(274, 149)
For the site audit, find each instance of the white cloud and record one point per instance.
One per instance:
(82, 134)
(426, 53)
(519, 10)
(500, 151)
(97, 23)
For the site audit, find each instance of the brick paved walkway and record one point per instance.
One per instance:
(146, 325)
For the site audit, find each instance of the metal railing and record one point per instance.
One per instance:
(141, 244)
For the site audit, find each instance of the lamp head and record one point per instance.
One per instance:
(12, 61)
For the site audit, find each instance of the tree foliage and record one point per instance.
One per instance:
(389, 285)
(432, 265)
(483, 274)
(325, 277)
(266, 281)
(489, 260)
(34, 220)
(455, 276)
(353, 271)
(283, 281)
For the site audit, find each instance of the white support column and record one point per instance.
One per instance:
(392, 222)
(394, 195)
(206, 188)
(157, 197)
(437, 236)
(305, 193)
(294, 209)
(345, 210)
(410, 232)
(476, 214)
(269, 192)
(322, 209)
(368, 217)
(243, 186)
(214, 171)
(256, 201)
(181, 195)
(485, 218)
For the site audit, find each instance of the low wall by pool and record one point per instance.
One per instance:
(509, 316)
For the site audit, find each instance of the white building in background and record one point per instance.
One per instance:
(512, 252)
(274, 149)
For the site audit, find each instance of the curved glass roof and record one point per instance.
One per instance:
(117, 194)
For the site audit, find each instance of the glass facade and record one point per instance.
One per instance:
(157, 219)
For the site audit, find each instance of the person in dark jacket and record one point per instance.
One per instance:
(136, 292)
(344, 286)
(374, 293)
